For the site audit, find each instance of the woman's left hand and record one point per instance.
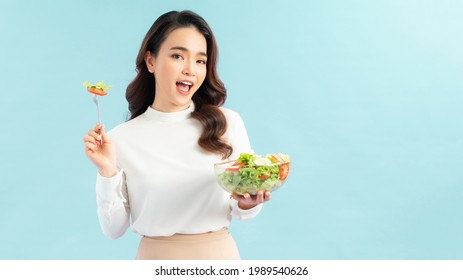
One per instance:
(248, 201)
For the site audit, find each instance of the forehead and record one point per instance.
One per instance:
(187, 37)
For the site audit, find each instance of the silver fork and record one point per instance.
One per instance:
(95, 100)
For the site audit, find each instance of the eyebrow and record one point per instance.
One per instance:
(186, 50)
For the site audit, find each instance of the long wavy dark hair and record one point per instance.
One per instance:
(207, 99)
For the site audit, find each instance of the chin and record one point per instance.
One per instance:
(183, 104)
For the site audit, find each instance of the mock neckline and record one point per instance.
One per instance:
(154, 114)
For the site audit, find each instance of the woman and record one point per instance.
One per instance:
(157, 168)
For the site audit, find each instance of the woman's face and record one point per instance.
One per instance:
(179, 68)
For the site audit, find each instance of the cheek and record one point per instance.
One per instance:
(202, 74)
(171, 70)
(166, 77)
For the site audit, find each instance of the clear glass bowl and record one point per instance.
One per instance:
(250, 179)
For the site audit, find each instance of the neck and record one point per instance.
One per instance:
(169, 107)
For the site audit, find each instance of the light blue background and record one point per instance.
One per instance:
(366, 96)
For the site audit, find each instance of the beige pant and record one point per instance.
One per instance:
(218, 245)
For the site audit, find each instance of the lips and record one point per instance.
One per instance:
(184, 86)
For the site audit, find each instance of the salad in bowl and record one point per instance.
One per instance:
(251, 173)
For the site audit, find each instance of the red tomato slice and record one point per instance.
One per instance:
(284, 171)
(233, 169)
(97, 91)
(263, 177)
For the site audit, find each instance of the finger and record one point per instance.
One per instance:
(247, 198)
(238, 197)
(94, 134)
(88, 138)
(90, 147)
(259, 197)
(104, 137)
(267, 196)
(98, 127)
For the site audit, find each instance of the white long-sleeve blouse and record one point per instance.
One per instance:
(166, 182)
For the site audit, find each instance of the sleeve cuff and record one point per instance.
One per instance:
(241, 214)
(109, 189)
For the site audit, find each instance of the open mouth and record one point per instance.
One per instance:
(184, 86)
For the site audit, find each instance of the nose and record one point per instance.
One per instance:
(189, 68)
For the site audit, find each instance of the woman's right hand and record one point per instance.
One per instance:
(101, 151)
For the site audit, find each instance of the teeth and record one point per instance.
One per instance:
(186, 83)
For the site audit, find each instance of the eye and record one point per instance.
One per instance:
(201, 61)
(177, 56)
